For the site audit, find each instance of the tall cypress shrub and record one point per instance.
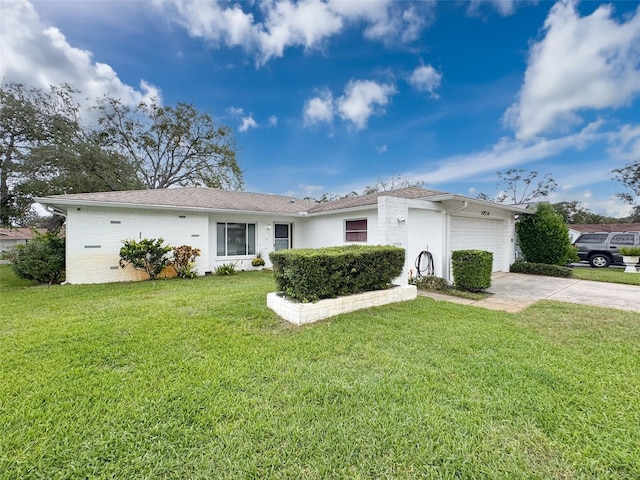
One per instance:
(544, 237)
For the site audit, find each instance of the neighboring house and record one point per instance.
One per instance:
(576, 230)
(232, 226)
(10, 237)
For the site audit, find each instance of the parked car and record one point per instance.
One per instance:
(602, 249)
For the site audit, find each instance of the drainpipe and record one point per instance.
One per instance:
(447, 237)
(55, 211)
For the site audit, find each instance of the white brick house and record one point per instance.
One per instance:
(231, 226)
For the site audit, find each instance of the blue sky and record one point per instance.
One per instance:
(331, 96)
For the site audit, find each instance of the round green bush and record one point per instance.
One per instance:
(41, 259)
(472, 269)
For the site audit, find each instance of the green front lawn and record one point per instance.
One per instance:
(198, 379)
(610, 274)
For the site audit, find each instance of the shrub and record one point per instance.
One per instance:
(472, 269)
(630, 251)
(544, 237)
(226, 269)
(541, 269)
(258, 261)
(307, 275)
(182, 262)
(432, 283)
(41, 259)
(147, 255)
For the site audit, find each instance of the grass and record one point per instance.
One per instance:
(613, 275)
(198, 379)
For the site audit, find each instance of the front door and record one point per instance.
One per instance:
(282, 236)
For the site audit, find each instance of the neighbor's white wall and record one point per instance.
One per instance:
(94, 242)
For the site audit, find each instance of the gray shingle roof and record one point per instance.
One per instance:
(372, 199)
(192, 197)
(215, 199)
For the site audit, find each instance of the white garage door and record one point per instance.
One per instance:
(478, 234)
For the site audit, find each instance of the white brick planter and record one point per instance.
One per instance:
(301, 313)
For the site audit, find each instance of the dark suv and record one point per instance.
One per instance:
(602, 249)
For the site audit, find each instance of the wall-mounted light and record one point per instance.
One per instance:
(402, 220)
(268, 227)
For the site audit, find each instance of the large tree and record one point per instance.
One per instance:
(45, 149)
(23, 126)
(171, 146)
(521, 186)
(574, 212)
(629, 175)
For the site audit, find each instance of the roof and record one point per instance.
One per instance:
(23, 233)
(606, 227)
(190, 197)
(372, 199)
(211, 199)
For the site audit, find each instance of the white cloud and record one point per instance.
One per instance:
(273, 121)
(381, 149)
(319, 109)
(235, 111)
(590, 62)
(504, 7)
(362, 99)
(625, 143)
(39, 55)
(508, 153)
(247, 123)
(426, 79)
(287, 23)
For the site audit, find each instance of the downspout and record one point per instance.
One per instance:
(55, 211)
(447, 239)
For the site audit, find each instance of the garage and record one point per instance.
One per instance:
(479, 234)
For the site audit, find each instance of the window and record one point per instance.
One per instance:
(623, 239)
(592, 238)
(236, 239)
(355, 230)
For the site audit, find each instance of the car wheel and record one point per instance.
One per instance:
(599, 261)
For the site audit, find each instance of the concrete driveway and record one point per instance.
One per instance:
(513, 292)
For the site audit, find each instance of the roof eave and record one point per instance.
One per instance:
(477, 201)
(85, 203)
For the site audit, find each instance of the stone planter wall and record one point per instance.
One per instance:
(301, 313)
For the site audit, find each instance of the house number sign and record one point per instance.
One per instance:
(485, 213)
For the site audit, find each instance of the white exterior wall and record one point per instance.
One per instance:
(95, 234)
(413, 225)
(425, 233)
(94, 237)
(328, 230)
(264, 238)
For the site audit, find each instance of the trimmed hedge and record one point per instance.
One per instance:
(472, 269)
(308, 275)
(541, 269)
